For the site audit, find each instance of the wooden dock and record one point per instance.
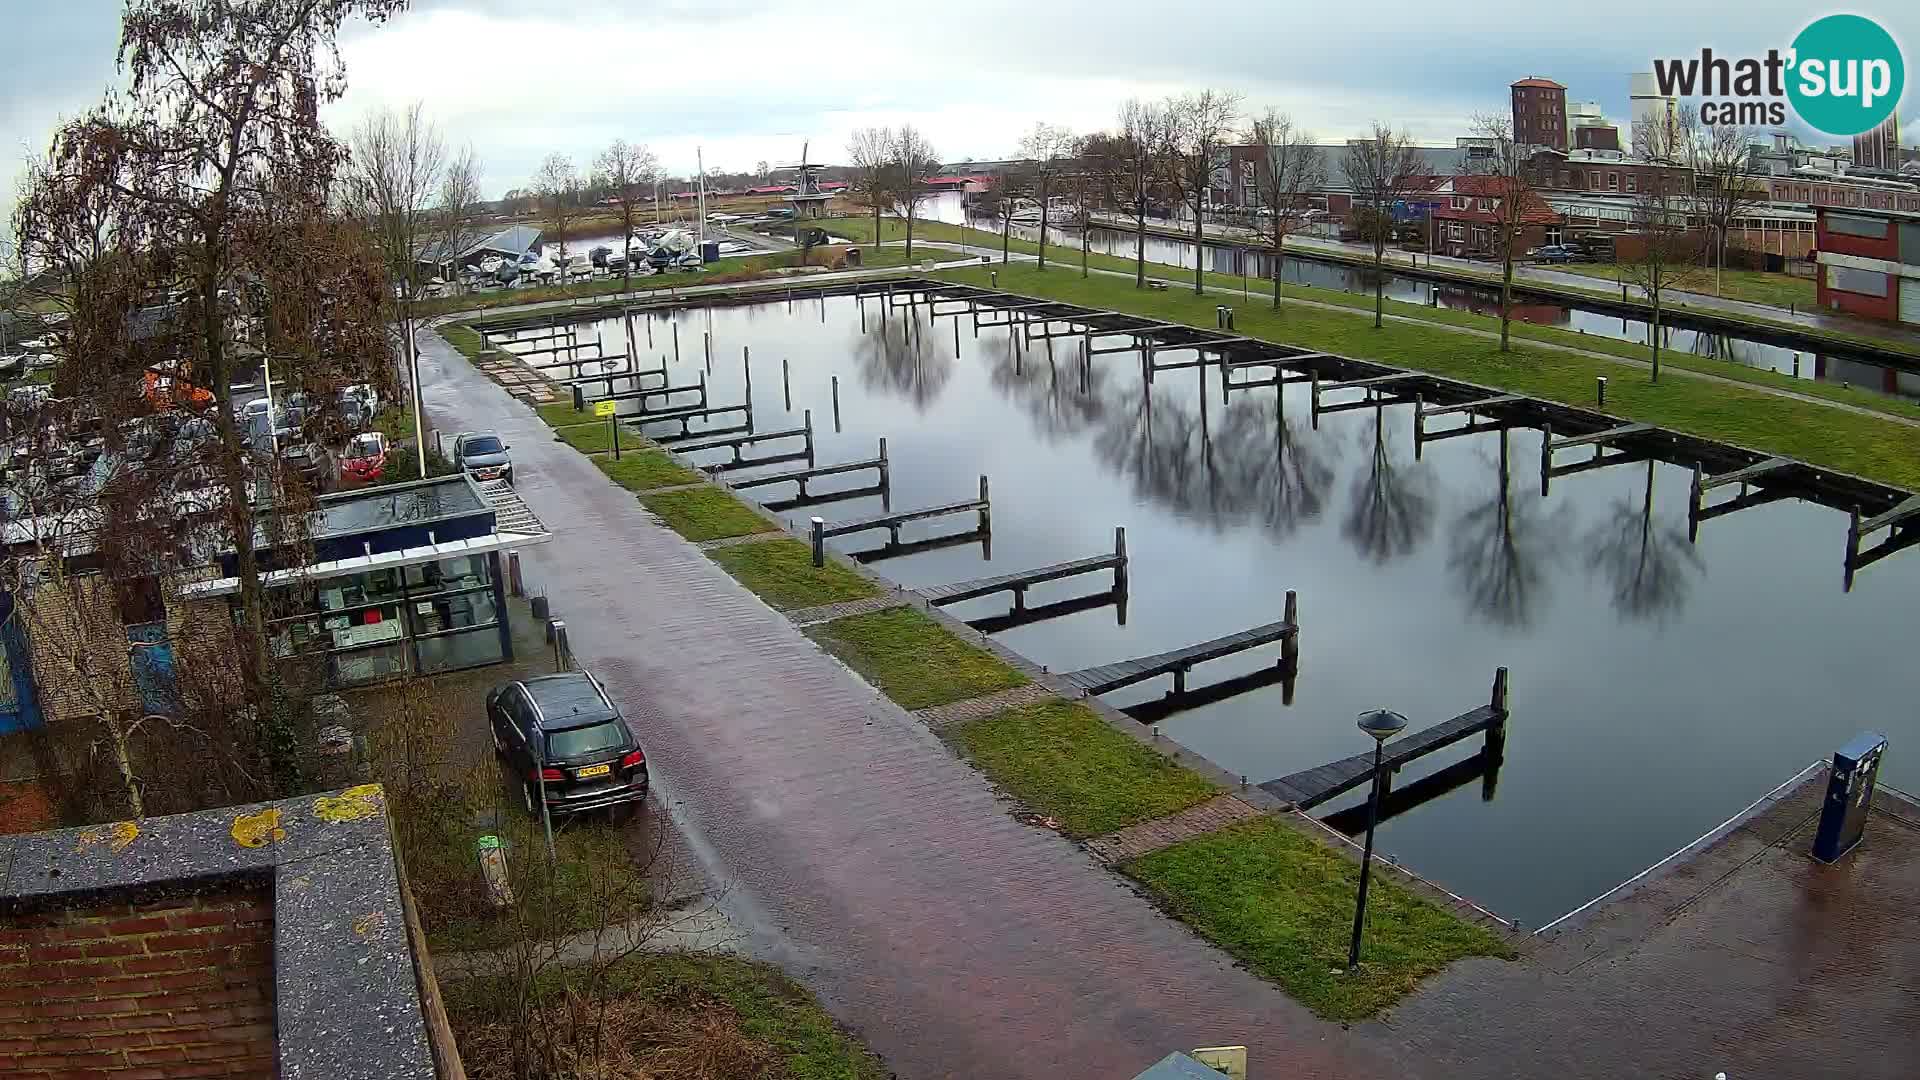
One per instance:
(738, 443)
(1311, 787)
(802, 477)
(581, 399)
(1008, 620)
(1178, 662)
(686, 417)
(1601, 441)
(1697, 509)
(1381, 390)
(982, 507)
(1018, 583)
(1902, 522)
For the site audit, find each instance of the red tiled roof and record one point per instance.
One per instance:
(1473, 186)
(772, 189)
(1537, 81)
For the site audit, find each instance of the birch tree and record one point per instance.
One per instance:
(1380, 169)
(1287, 168)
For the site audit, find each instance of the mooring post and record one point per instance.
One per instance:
(786, 381)
(516, 585)
(1314, 411)
(1546, 457)
(1497, 731)
(986, 507)
(707, 337)
(1120, 558)
(613, 434)
(808, 418)
(836, 404)
(1290, 645)
(1419, 422)
(703, 393)
(818, 527)
(676, 341)
(884, 467)
(649, 329)
(746, 368)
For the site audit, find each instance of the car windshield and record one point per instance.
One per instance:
(481, 444)
(582, 741)
(364, 446)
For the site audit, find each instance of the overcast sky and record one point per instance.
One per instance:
(752, 80)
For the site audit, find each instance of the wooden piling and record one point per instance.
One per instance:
(885, 468)
(649, 329)
(836, 404)
(1497, 731)
(786, 381)
(707, 340)
(986, 508)
(676, 341)
(807, 422)
(1546, 457)
(1120, 559)
(1290, 645)
(1419, 422)
(746, 369)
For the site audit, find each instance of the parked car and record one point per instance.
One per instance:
(366, 457)
(482, 454)
(1557, 253)
(309, 459)
(566, 743)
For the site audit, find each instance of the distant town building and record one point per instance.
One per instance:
(1611, 172)
(1870, 263)
(1879, 150)
(1467, 216)
(1584, 117)
(1596, 137)
(1540, 113)
(1656, 118)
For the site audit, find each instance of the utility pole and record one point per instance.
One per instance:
(700, 202)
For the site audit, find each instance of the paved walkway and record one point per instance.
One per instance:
(850, 845)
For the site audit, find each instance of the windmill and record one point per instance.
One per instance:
(807, 198)
(807, 185)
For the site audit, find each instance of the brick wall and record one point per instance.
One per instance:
(159, 988)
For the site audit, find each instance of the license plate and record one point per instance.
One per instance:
(594, 770)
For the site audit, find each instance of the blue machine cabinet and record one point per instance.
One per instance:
(1843, 817)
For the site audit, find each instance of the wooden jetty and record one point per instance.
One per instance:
(581, 399)
(1381, 390)
(1311, 787)
(687, 416)
(1018, 583)
(982, 507)
(738, 444)
(1178, 662)
(1902, 522)
(1008, 620)
(802, 477)
(1483, 766)
(1474, 408)
(1153, 711)
(1601, 441)
(609, 377)
(1697, 509)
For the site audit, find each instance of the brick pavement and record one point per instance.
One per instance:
(1136, 840)
(825, 613)
(878, 867)
(941, 717)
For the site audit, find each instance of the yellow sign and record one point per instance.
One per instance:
(604, 408)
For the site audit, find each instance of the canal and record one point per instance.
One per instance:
(1299, 268)
(1658, 686)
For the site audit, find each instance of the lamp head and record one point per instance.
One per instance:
(1382, 724)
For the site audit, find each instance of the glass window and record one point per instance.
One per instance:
(464, 649)
(580, 741)
(481, 444)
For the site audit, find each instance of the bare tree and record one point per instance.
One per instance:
(1014, 183)
(1724, 193)
(1200, 125)
(1140, 172)
(913, 161)
(558, 189)
(457, 217)
(871, 152)
(1504, 176)
(1287, 168)
(211, 161)
(1663, 248)
(627, 170)
(1381, 169)
(1048, 146)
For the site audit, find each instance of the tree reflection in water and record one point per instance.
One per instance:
(898, 356)
(1501, 547)
(1275, 475)
(1393, 503)
(1156, 441)
(1649, 565)
(1056, 395)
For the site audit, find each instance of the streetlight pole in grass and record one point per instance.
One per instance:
(1382, 724)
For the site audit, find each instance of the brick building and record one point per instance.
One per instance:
(1869, 263)
(1466, 219)
(1608, 172)
(1540, 113)
(272, 940)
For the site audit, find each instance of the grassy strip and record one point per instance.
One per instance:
(782, 573)
(1063, 761)
(676, 1015)
(705, 513)
(1862, 444)
(913, 659)
(862, 229)
(1754, 286)
(646, 470)
(1282, 903)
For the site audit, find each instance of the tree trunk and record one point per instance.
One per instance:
(1006, 234)
(1279, 253)
(1140, 245)
(626, 253)
(123, 761)
(876, 222)
(1379, 277)
(1044, 180)
(1085, 232)
(1199, 244)
(1506, 295)
(1654, 328)
(909, 228)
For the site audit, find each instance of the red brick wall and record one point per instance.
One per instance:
(149, 990)
(1885, 246)
(1885, 308)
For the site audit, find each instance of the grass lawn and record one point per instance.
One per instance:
(913, 659)
(782, 573)
(1865, 445)
(645, 470)
(1282, 904)
(705, 513)
(1063, 761)
(1758, 286)
(588, 436)
(673, 1016)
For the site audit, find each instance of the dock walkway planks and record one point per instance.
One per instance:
(1311, 787)
(942, 595)
(1109, 677)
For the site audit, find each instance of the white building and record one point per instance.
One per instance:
(1658, 117)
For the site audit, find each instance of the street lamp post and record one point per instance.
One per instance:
(1382, 724)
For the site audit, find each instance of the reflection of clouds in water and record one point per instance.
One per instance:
(1649, 565)
(899, 356)
(1501, 547)
(1393, 504)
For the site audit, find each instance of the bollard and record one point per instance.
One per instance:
(562, 655)
(993, 278)
(836, 404)
(708, 336)
(613, 435)
(676, 341)
(746, 367)
(539, 603)
(1600, 390)
(786, 381)
(818, 527)
(516, 586)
